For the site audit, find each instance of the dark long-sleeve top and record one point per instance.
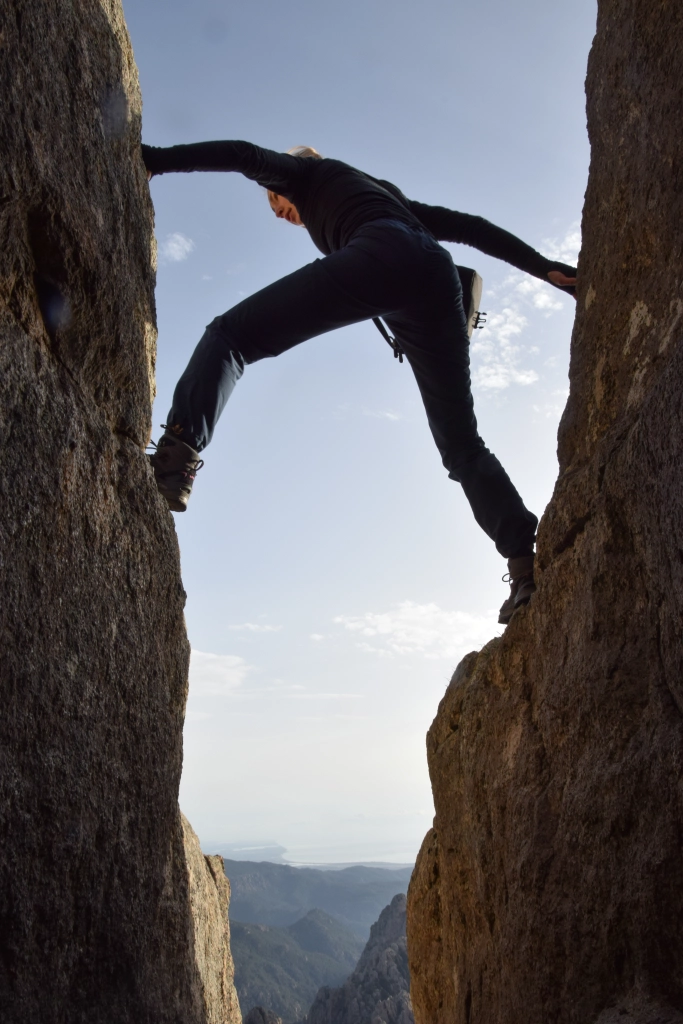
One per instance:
(334, 200)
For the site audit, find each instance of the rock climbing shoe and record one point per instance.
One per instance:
(520, 576)
(175, 466)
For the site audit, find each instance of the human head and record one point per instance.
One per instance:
(283, 208)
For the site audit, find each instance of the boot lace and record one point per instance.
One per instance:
(509, 578)
(194, 464)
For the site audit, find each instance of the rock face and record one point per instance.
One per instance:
(378, 990)
(209, 904)
(551, 888)
(96, 920)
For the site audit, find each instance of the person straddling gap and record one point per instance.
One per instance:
(381, 259)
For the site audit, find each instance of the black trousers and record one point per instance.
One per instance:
(388, 269)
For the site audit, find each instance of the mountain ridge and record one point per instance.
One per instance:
(279, 895)
(282, 969)
(378, 990)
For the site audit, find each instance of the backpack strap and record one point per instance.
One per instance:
(391, 342)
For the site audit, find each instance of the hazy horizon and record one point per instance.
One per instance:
(333, 857)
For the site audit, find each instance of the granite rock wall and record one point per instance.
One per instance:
(209, 902)
(96, 921)
(551, 887)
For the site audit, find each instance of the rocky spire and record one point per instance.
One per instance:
(378, 990)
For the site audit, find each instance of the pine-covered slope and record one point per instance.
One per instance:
(378, 991)
(279, 895)
(281, 969)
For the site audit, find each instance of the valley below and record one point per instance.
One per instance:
(300, 937)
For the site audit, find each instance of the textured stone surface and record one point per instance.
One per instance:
(551, 888)
(95, 916)
(378, 990)
(209, 902)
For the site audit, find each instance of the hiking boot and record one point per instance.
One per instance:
(175, 466)
(520, 576)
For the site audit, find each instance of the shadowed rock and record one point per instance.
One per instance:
(106, 909)
(551, 888)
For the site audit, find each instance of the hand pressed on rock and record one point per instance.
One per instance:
(561, 280)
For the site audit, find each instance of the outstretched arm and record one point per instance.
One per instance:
(278, 172)
(451, 226)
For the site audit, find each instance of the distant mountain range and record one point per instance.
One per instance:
(276, 968)
(378, 991)
(282, 969)
(278, 895)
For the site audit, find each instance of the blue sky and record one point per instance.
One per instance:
(335, 575)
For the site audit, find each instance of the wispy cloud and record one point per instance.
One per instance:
(553, 407)
(539, 294)
(496, 358)
(499, 357)
(565, 249)
(381, 414)
(214, 675)
(346, 410)
(175, 248)
(424, 629)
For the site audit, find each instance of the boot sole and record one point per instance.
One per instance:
(520, 604)
(173, 502)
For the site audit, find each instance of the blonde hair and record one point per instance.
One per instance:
(306, 151)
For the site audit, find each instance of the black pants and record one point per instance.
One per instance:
(388, 269)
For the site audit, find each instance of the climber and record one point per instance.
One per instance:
(381, 258)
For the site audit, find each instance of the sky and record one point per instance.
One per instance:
(335, 575)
